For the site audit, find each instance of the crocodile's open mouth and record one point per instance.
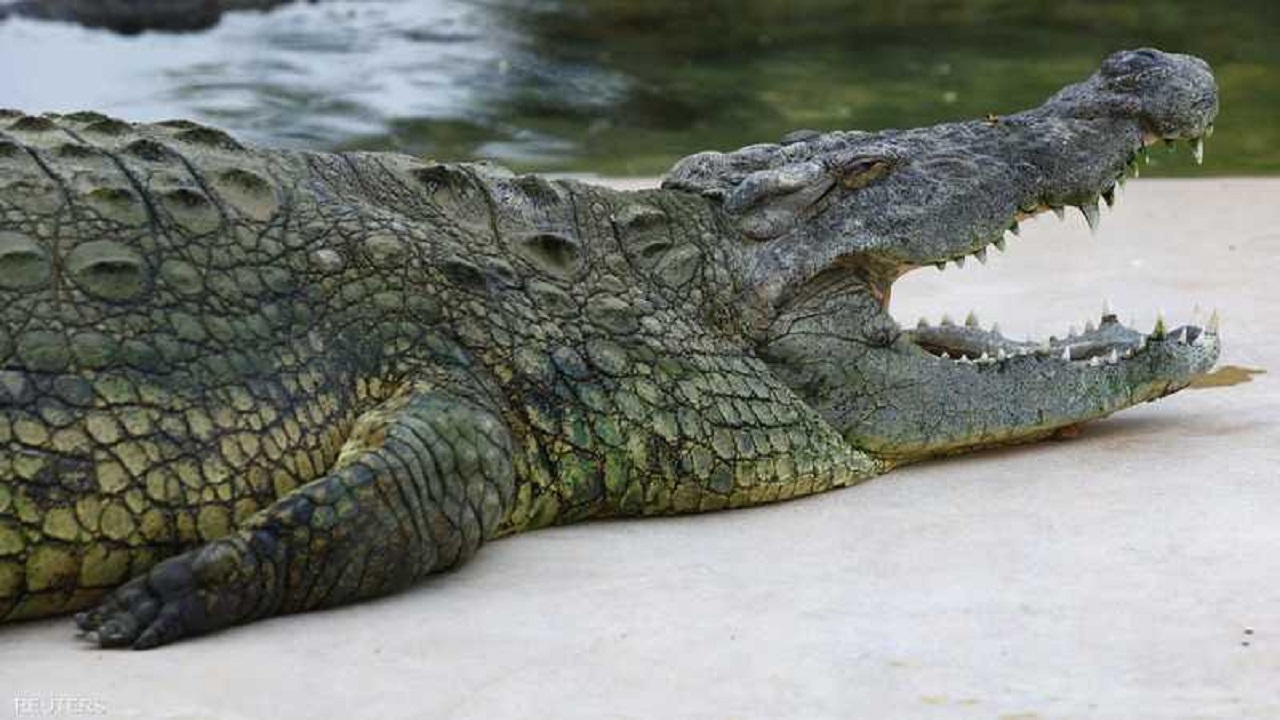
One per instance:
(1104, 343)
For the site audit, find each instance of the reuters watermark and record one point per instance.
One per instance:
(38, 706)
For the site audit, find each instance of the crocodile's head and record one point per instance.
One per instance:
(830, 220)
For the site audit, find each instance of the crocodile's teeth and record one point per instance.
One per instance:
(1073, 331)
(1062, 214)
(981, 255)
(1208, 131)
(1001, 355)
(1095, 361)
(1214, 322)
(922, 323)
(958, 261)
(1114, 357)
(965, 359)
(1197, 150)
(995, 328)
(947, 321)
(940, 265)
(1109, 196)
(1088, 326)
(1015, 229)
(1066, 353)
(1159, 330)
(1091, 215)
(999, 243)
(1182, 337)
(1106, 309)
(985, 357)
(971, 320)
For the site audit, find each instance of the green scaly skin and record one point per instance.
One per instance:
(236, 383)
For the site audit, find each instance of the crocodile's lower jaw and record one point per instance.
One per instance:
(1108, 344)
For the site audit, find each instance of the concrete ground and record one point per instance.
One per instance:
(1133, 572)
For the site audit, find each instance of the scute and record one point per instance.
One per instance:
(24, 264)
(109, 270)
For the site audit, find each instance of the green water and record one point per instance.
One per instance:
(726, 73)
(625, 87)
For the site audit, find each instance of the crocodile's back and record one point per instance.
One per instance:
(161, 372)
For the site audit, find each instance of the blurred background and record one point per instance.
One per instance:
(614, 87)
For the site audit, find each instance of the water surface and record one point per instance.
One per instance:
(627, 86)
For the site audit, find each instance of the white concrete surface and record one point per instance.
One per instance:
(1115, 576)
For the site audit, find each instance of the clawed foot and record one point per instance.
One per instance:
(186, 595)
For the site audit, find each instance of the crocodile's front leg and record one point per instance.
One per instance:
(906, 395)
(424, 479)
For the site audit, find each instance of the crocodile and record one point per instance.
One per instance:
(237, 383)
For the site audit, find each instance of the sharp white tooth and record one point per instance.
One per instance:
(1109, 196)
(1120, 181)
(965, 359)
(1066, 353)
(1015, 229)
(1106, 308)
(1197, 150)
(1208, 131)
(1159, 330)
(1136, 172)
(1088, 326)
(1095, 361)
(981, 255)
(999, 243)
(971, 320)
(1182, 337)
(1062, 214)
(1073, 331)
(947, 321)
(995, 328)
(1114, 357)
(1128, 353)
(1091, 215)
(1001, 355)
(1045, 347)
(945, 355)
(922, 323)
(958, 261)
(1214, 322)
(985, 357)
(940, 265)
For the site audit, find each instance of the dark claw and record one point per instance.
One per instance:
(186, 595)
(118, 632)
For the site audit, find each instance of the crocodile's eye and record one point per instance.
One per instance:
(863, 172)
(1128, 62)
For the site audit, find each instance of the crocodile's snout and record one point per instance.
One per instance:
(1172, 95)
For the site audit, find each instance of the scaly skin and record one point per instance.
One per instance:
(236, 383)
